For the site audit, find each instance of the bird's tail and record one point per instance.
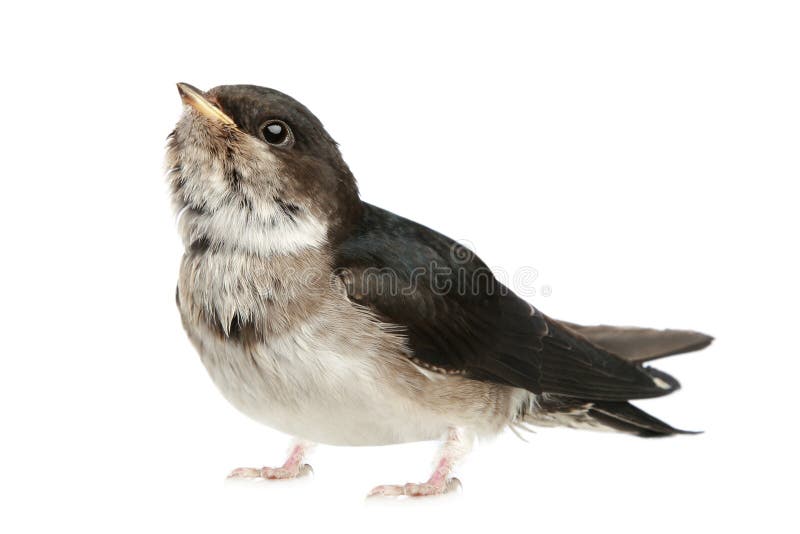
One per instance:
(641, 344)
(625, 417)
(636, 345)
(620, 416)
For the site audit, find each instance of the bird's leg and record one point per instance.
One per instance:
(293, 467)
(453, 449)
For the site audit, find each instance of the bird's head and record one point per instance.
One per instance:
(252, 169)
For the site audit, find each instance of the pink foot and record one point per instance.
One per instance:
(426, 489)
(292, 468)
(439, 483)
(272, 473)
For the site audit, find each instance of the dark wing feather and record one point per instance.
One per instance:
(459, 319)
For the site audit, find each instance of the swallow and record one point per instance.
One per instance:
(338, 322)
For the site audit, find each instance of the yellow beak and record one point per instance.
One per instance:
(192, 96)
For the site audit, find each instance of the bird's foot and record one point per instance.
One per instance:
(293, 467)
(440, 481)
(272, 473)
(425, 489)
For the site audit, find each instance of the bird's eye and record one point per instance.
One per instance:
(276, 132)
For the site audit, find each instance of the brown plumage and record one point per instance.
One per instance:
(338, 322)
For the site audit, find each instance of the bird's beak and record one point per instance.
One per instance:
(192, 96)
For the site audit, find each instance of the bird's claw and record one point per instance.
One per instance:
(425, 489)
(272, 473)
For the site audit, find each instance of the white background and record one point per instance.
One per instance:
(641, 156)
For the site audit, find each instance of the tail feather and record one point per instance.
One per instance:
(636, 345)
(626, 417)
(642, 344)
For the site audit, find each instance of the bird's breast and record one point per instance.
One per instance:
(308, 384)
(305, 360)
(299, 356)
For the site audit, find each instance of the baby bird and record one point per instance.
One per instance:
(338, 322)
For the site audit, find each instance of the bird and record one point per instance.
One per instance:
(337, 322)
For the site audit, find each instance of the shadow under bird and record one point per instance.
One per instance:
(338, 322)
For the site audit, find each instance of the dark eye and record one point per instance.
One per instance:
(276, 132)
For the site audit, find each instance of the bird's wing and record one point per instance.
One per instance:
(458, 318)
